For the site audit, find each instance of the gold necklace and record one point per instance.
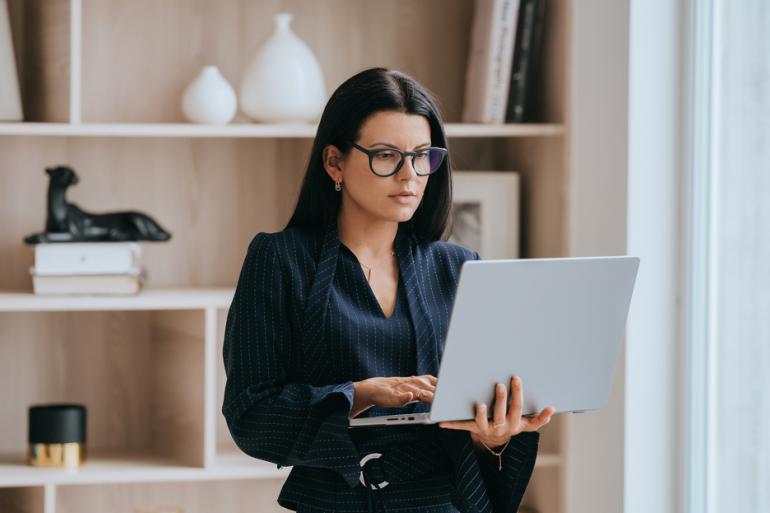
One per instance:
(369, 269)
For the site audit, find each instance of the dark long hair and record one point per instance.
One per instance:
(365, 93)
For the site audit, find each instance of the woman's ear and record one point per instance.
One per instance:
(332, 161)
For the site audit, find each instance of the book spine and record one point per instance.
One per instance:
(495, 99)
(478, 62)
(525, 61)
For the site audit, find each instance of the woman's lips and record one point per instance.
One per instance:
(403, 199)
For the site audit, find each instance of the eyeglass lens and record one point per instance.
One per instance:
(385, 162)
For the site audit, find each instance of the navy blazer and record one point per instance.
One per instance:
(284, 406)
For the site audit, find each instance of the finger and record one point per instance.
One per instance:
(465, 425)
(405, 396)
(501, 395)
(427, 388)
(429, 378)
(424, 383)
(481, 418)
(536, 422)
(517, 399)
(424, 396)
(413, 388)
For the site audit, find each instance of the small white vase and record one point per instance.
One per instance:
(209, 98)
(283, 82)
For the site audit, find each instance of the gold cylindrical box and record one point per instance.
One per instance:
(70, 454)
(57, 435)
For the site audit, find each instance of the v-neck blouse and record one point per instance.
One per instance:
(349, 256)
(354, 318)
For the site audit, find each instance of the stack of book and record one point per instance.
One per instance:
(504, 61)
(87, 268)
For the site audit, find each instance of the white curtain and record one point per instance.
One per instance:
(735, 258)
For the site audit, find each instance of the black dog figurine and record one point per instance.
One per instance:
(68, 223)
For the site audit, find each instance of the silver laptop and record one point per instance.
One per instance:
(557, 323)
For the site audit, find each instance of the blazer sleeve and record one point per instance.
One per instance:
(269, 417)
(506, 487)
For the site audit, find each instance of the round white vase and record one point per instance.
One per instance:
(209, 98)
(283, 82)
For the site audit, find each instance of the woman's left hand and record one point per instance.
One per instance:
(504, 424)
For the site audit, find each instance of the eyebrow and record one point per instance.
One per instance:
(397, 148)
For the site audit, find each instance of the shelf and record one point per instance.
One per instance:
(237, 465)
(132, 468)
(123, 468)
(251, 130)
(147, 299)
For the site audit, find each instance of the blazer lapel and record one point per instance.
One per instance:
(426, 339)
(317, 302)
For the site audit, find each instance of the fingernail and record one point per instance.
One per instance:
(500, 387)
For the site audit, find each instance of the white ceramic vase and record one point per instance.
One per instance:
(283, 82)
(209, 98)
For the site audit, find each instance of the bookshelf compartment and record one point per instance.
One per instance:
(225, 446)
(426, 39)
(163, 62)
(212, 195)
(139, 374)
(232, 496)
(41, 41)
(544, 199)
(545, 491)
(25, 499)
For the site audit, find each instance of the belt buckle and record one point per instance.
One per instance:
(364, 460)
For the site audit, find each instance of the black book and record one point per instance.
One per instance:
(526, 62)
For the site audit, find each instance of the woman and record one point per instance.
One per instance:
(344, 313)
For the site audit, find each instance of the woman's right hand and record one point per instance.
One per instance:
(392, 392)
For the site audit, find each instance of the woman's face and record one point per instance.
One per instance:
(375, 196)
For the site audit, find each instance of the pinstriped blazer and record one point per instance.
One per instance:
(282, 404)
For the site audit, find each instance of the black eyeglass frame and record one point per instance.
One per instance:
(372, 152)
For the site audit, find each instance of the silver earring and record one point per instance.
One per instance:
(338, 185)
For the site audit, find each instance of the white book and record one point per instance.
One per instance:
(88, 284)
(488, 75)
(86, 257)
(10, 95)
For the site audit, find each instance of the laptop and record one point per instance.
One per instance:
(557, 323)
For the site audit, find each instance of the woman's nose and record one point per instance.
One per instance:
(407, 167)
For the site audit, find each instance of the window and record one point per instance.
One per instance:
(729, 255)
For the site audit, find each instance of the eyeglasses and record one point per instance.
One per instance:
(387, 161)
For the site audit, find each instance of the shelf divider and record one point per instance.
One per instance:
(210, 387)
(76, 43)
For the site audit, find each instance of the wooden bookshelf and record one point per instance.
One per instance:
(101, 85)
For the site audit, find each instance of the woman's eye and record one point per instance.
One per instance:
(385, 155)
